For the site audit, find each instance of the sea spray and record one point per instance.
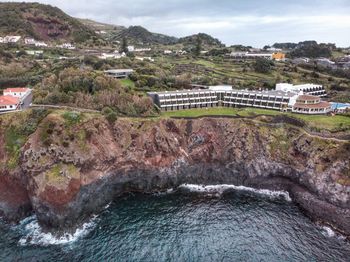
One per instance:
(220, 189)
(34, 235)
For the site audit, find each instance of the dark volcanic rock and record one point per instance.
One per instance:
(14, 199)
(66, 184)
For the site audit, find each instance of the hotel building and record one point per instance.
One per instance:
(186, 99)
(223, 96)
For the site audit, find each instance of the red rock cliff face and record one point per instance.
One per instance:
(74, 170)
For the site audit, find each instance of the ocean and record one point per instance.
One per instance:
(192, 223)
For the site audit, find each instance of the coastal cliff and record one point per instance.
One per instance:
(73, 164)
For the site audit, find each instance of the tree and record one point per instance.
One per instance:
(262, 65)
(198, 49)
(124, 45)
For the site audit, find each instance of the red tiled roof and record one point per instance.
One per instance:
(16, 89)
(307, 97)
(320, 105)
(8, 100)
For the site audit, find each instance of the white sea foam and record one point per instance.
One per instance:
(107, 206)
(163, 193)
(34, 235)
(329, 232)
(219, 189)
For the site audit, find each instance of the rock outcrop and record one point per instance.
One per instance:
(67, 171)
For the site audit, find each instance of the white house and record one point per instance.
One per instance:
(13, 98)
(131, 48)
(34, 52)
(12, 38)
(142, 49)
(8, 103)
(19, 92)
(168, 52)
(119, 73)
(29, 41)
(66, 46)
(180, 52)
(251, 55)
(40, 44)
(114, 55)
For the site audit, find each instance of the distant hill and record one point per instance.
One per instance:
(207, 40)
(312, 49)
(43, 22)
(97, 26)
(140, 35)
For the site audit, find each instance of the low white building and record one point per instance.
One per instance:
(144, 58)
(310, 89)
(181, 52)
(248, 55)
(66, 46)
(168, 52)
(8, 103)
(119, 73)
(19, 92)
(115, 55)
(34, 52)
(40, 44)
(272, 49)
(13, 98)
(29, 41)
(142, 49)
(11, 39)
(131, 48)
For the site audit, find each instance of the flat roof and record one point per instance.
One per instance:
(115, 71)
(269, 92)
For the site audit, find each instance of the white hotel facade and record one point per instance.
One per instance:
(227, 97)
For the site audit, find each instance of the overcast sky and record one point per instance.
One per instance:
(248, 22)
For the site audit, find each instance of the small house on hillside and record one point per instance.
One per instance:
(119, 73)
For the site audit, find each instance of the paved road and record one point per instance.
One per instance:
(27, 101)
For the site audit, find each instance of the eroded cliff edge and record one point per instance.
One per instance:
(69, 168)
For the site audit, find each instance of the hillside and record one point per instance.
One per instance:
(43, 22)
(140, 35)
(105, 31)
(206, 40)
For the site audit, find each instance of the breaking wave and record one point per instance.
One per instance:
(220, 189)
(34, 235)
(329, 232)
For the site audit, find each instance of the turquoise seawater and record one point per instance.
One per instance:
(192, 224)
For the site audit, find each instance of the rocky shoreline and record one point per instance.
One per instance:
(86, 165)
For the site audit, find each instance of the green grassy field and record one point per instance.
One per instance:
(127, 83)
(319, 122)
